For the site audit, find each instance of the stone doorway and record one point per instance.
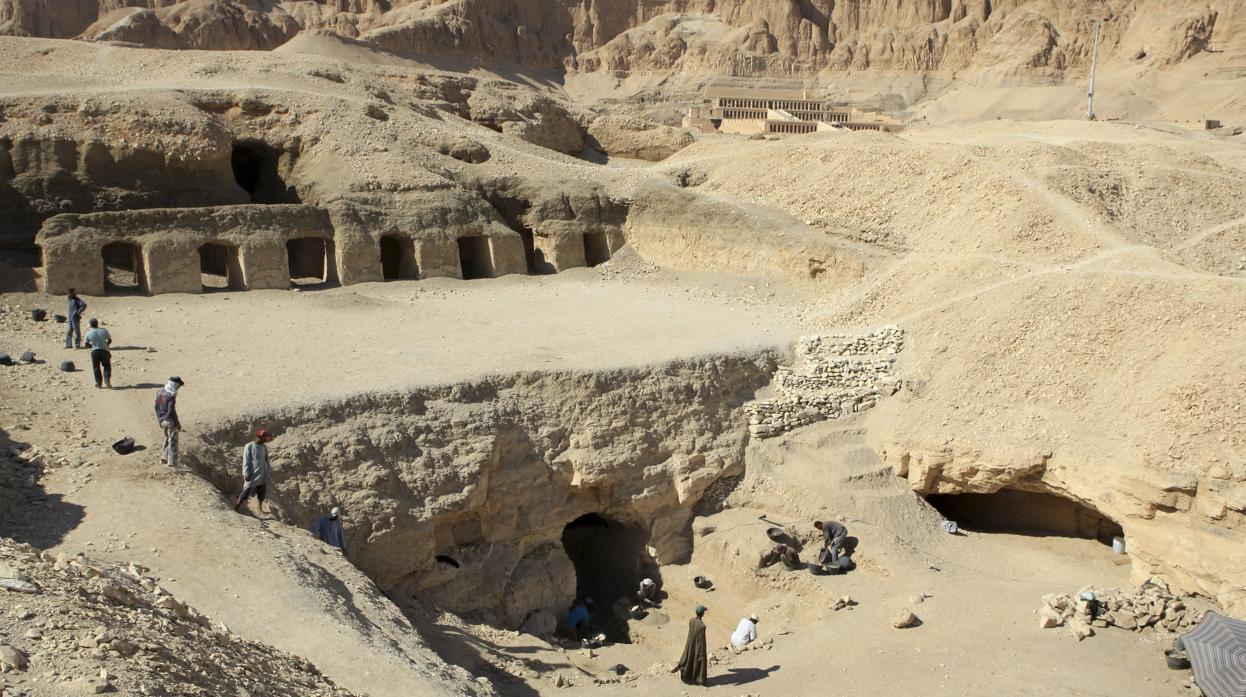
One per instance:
(308, 258)
(124, 273)
(476, 257)
(220, 267)
(596, 248)
(398, 258)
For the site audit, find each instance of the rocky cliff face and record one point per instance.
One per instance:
(462, 492)
(731, 37)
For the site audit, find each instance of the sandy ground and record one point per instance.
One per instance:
(234, 350)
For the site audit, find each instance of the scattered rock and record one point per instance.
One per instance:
(17, 586)
(12, 658)
(905, 619)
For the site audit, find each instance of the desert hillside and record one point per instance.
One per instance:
(547, 297)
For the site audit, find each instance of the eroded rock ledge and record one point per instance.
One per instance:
(487, 474)
(1177, 525)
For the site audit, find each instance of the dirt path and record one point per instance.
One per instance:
(1203, 234)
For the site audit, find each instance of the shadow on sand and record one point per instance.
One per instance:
(28, 513)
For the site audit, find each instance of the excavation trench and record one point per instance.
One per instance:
(497, 497)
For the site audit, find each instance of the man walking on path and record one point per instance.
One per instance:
(255, 470)
(745, 633)
(833, 536)
(166, 415)
(73, 333)
(694, 664)
(329, 530)
(100, 340)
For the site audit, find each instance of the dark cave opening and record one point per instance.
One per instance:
(610, 559)
(1027, 513)
(257, 169)
(596, 248)
(398, 258)
(476, 257)
(308, 260)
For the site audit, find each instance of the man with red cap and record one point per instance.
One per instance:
(255, 469)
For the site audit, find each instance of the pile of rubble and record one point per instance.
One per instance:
(1152, 605)
(70, 626)
(836, 375)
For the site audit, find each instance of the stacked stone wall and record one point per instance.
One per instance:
(835, 376)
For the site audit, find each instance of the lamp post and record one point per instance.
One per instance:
(1094, 63)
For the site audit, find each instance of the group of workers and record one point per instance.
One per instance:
(255, 467)
(694, 663)
(832, 559)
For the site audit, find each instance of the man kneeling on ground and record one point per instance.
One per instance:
(780, 552)
(745, 634)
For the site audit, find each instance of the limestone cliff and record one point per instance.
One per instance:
(726, 37)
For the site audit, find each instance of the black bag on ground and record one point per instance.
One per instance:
(68, 367)
(60, 319)
(125, 446)
(6, 359)
(840, 566)
(38, 315)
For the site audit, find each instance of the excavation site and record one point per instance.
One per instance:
(518, 348)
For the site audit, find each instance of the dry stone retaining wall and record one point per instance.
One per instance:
(836, 375)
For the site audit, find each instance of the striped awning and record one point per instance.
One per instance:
(1217, 649)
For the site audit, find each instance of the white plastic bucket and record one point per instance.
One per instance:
(1118, 545)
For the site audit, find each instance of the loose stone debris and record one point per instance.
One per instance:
(92, 628)
(1152, 605)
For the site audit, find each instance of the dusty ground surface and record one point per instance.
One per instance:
(1072, 298)
(236, 349)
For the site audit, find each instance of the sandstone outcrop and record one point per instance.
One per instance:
(564, 223)
(167, 241)
(629, 137)
(220, 25)
(62, 155)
